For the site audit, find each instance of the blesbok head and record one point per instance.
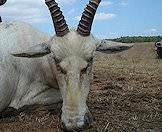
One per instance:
(72, 52)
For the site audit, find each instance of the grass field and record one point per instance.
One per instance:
(126, 96)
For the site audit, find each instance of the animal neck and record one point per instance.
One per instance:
(49, 72)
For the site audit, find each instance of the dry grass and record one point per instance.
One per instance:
(126, 96)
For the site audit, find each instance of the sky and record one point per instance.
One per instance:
(114, 18)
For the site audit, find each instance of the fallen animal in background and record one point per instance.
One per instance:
(159, 49)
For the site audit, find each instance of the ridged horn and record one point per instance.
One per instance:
(59, 22)
(1, 3)
(85, 24)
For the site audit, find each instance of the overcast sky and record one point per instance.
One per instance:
(114, 18)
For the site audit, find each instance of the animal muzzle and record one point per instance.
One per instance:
(78, 123)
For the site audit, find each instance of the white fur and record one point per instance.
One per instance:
(27, 81)
(73, 51)
(23, 81)
(36, 81)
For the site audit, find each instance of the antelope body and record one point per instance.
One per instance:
(53, 69)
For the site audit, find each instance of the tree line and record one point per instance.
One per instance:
(134, 39)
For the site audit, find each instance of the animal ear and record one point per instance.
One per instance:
(39, 50)
(109, 47)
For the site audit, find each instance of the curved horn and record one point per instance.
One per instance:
(85, 24)
(1, 3)
(59, 22)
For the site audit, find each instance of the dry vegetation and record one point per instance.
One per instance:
(126, 96)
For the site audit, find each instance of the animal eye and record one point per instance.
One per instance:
(57, 60)
(90, 59)
(59, 68)
(63, 71)
(83, 71)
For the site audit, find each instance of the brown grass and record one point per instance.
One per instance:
(126, 96)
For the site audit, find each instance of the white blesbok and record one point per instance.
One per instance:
(59, 68)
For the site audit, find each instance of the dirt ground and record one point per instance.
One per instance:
(126, 96)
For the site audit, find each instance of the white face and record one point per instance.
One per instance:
(73, 56)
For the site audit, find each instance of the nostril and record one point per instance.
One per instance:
(88, 119)
(64, 127)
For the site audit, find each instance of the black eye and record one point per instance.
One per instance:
(90, 59)
(57, 60)
(84, 70)
(59, 68)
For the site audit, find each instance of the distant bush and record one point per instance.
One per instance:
(139, 39)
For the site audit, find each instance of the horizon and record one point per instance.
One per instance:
(114, 19)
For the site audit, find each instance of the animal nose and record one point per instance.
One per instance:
(79, 125)
(88, 119)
